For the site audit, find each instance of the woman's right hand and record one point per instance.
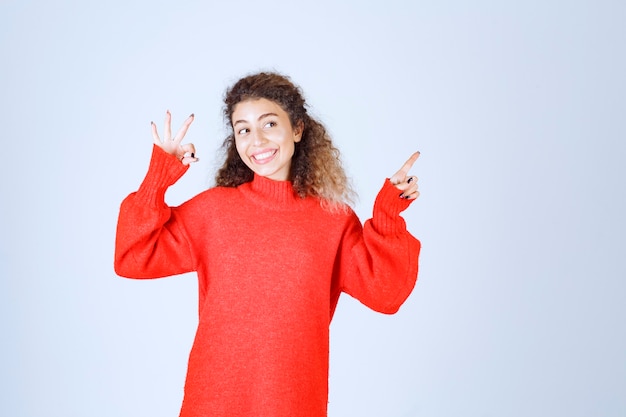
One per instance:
(184, 153)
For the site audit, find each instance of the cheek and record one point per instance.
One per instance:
(241, 149)
(291, 147)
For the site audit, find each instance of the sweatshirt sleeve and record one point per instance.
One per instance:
(151, 241)
(379, 261)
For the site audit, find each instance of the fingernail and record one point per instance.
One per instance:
(406, 197)
(193, 155)
(151, 123)
(401, 195)
(191, 115)
(409, 180)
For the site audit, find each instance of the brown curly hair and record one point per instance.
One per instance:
(316, 168)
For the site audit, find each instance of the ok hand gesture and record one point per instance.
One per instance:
(184, 153)
(405, 183)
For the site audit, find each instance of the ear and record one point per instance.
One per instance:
(298, 130)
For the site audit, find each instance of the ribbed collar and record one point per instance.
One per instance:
(276, 195)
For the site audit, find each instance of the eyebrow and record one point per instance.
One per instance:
(260, 117)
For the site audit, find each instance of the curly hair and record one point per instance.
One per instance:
(316, 169)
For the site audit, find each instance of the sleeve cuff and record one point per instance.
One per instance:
(387, 208)
(164, 170)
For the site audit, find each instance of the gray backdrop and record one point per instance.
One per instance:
(518, 109)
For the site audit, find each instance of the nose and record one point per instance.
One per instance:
(257, 137)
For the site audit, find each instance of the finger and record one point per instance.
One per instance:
(183, 130)
(409, 163)
(187, 148)
(413, 195)
(410, 192)
(409, 184)
(189, 154)
(400, 176)
(407, 188)
(168, 125)
(189, 159)
(155, 134)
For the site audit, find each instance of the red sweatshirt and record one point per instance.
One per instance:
(271, 267)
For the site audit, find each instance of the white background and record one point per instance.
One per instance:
(517, 107)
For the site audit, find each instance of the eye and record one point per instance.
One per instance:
(270, 124)
(243, 131)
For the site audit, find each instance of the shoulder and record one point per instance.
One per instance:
(212, 197)
(338, 215)
(217, 192)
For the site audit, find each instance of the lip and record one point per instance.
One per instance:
(264, 156)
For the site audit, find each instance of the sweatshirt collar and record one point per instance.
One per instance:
(278, 195)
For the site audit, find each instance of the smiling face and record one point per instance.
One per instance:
(264, 137)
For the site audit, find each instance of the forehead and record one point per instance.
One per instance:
(252, 109)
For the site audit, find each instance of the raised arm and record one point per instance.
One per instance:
(151, 240)
(380, 260)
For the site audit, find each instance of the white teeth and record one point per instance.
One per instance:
(263, 155)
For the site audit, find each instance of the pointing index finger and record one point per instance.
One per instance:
(409, 163)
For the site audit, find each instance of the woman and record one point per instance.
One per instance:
(273, 244)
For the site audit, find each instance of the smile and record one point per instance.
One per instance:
(265, 156)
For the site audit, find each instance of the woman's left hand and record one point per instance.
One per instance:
(405, 182)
